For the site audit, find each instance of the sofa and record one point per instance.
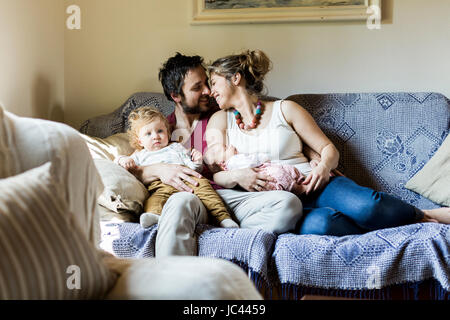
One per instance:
(386, 141)
(50, 229)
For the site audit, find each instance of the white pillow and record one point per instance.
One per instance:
(6, 159)
(110, 147)
(44, 254)
(123, 191)
(433, 180)
(33, 142)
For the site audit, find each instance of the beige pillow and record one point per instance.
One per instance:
(433, 180)
(6, 159)
(44, 254)
(33, 142)
(123, 192)
(110, 147)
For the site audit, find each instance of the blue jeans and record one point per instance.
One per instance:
(344, 207)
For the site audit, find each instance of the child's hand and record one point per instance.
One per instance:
(127, 163)
(196, 156)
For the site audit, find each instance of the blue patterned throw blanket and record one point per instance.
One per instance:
(356, 266)
(368, 263)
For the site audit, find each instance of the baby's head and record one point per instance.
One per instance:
(219, 154)
(148, 129)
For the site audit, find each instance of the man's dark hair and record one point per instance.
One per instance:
(172, 74)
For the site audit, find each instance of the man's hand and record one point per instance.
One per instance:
(253, 179)
(172, 174)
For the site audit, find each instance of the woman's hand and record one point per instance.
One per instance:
(318, 178)
(253, 179)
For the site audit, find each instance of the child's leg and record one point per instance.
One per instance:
(212, 201)
(153, 206)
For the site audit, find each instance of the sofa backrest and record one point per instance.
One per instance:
(115, 122)
(383, 138)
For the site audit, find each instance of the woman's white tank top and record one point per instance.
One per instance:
(278, 140)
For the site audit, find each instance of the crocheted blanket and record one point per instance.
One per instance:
(301, 264)
(403, 255)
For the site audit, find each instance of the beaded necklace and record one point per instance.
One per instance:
(255, 120)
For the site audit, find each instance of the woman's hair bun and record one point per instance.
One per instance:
(257, 63)
(253, 65)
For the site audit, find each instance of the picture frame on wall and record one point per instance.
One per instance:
(276, 11)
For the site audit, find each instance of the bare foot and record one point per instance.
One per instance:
(440, 215)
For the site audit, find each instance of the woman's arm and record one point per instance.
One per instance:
(310, 133)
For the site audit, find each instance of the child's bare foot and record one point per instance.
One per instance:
(440, 215)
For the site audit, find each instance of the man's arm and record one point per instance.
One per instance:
(171, 174)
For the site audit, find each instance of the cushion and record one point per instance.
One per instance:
(6, 159)
(433, 180)
(44, 254)
(33, 142)
(123, 192)
(110, 147)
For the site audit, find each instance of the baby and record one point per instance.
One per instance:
(287, 177)
(149, 135)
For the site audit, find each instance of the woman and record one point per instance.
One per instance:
(331, 205)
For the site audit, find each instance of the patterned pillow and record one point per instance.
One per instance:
(44, 254)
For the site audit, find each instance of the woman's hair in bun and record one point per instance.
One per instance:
(252, 65)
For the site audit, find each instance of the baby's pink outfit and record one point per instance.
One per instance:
(285, 175)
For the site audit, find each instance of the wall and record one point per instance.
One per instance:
(122, 44)
(32, 57)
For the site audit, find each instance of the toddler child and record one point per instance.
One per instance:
(149, 134)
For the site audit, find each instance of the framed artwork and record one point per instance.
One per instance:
(260, 11)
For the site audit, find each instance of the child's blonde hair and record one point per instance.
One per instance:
(141, 117)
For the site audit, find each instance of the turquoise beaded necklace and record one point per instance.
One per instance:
(254, 123)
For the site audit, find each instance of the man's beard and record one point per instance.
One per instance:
(192, 109)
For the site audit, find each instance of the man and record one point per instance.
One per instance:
(185, 82)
